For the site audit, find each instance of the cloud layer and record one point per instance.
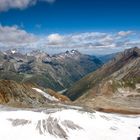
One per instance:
(15, 37)
(19, 4)
(90, 42)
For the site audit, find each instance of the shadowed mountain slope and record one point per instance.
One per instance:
(116, 84)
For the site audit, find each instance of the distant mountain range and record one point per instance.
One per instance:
(57, 72)
(113, 87)
(107, 58)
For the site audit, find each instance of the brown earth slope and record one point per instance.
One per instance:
(114, 87)
(25, 95)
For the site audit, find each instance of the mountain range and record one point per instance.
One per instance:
(57, 72)
(28, 79)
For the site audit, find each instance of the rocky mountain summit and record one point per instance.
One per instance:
(57, 72)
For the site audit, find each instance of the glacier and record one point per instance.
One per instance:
(66, 124)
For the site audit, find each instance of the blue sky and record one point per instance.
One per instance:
(63, 18)
(66, 16)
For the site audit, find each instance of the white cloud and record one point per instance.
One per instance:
(124, 33)
(90, 42)
(19, 4)
(14, 37)
(76, 40)
(132, 43)
(55, 39)
(81, 40)
(95, 41)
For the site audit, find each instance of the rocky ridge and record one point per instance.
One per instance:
(114, 87)
(57, 72)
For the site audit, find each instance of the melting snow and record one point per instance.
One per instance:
(49, 97)
(67, 124)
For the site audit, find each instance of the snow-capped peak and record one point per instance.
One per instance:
(13, 51)
(73, 51)
(70, 53)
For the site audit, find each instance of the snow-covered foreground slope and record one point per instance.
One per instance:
(67, 124)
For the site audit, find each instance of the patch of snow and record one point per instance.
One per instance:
(124, 90)
(70, 106)
(72, 52)
(88, 126)
(4, 53)
(110, 81)
(49, 97)
(137, 86)
(62, 91)
(127, 91)
(13, 51)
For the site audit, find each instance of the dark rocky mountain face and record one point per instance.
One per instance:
(56, 72)
(115, 86)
